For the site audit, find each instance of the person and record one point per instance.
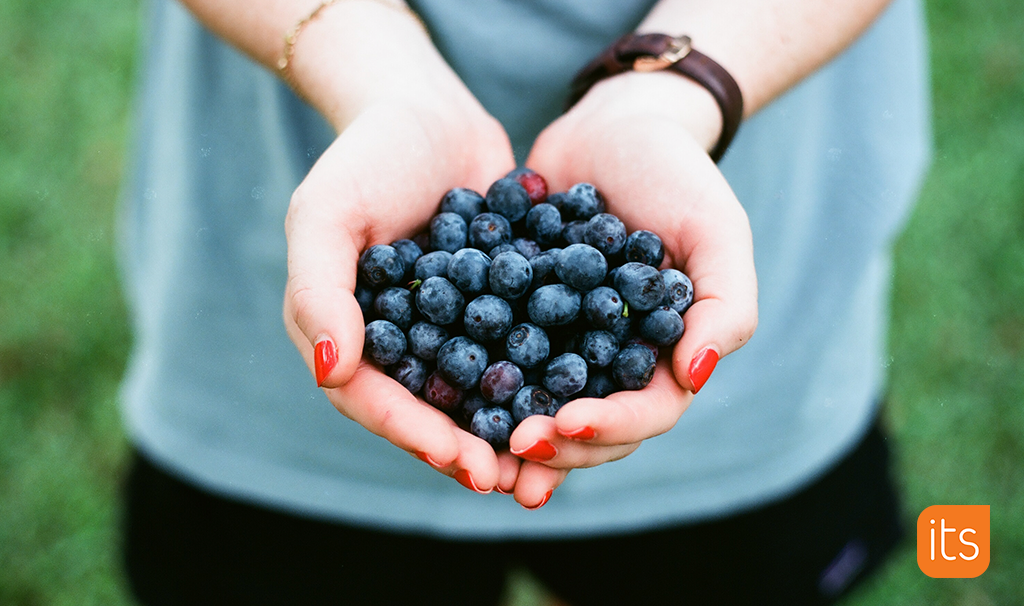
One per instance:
(770, 485)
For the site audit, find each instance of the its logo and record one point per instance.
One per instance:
(953, 541)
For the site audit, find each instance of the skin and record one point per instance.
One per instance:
(642, 139)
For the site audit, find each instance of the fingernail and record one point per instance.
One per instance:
(498, 488)
(542, 501)
(539, 451)
(325, 358)
(426, 459)
(462, 477)
(583, 433)
(701, 367)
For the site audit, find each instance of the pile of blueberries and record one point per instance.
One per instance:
(518, 301)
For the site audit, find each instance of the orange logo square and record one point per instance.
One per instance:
(953, 541)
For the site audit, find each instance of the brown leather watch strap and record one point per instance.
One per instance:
(650, 52)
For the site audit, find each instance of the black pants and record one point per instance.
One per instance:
(186, 546)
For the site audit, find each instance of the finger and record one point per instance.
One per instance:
(723, 316)
(626, 417)
(537, 440)
(476, 467)
(384, 407)
(508, 472)
(320, 309)
(536, 484)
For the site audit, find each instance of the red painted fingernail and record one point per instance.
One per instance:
(325, 358)
(498, 488)
(539, 451)
(542, 501)
(583, 433)
(426, 459)
(701, 367)
(462, 477)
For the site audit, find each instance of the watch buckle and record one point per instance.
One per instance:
(679, 48)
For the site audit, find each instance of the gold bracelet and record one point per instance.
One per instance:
(284, 63)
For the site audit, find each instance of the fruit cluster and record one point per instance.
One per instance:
(521, 302)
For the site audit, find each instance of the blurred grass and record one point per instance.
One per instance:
(957, 333)
(66, 70)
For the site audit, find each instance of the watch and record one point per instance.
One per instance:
(656, 52)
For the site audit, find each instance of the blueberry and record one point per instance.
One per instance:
(425, 339)
(581, 266)
(557, 200)
(381, 266)
(501, 381)
(544, 268)
(532, 400)
(582, 202)
(526, 247)
(637, 340)
(662, 327)
(493, 425)
(599, 348)
(395, 305)
(574, 232)
(508, 198)
(679, 290)
(468, 269)
(462, 361)
(622, 328)
(364, 296)
(448, 231)
(441, 394)
(644, 247)
(527, 345)
(410, 253)
(610, 279)
(422, 240)
(599, 385)
(602, 307)
(464, 202)
(511, 275)
(472, 403)
(384, 341)
(606, 233)
(544, 224)
(439, 301)
(488, 230)
(534, 184)
(640, 285)
(633, 367)
(487, 318)
(554, 305)
(497, 250)
(565, 375)
(410, 371)
(432, 264)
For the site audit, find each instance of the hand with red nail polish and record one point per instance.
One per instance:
(400, 148)
(642, 140)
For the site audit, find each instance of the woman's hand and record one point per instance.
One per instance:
(381, 181)
(642, 139)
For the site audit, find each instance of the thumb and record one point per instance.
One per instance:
(723, 316)
(321, 313)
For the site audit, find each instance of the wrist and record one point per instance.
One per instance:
(662, 94)
(358, 54)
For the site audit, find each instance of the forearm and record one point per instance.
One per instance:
(353, 54)
(766, 45)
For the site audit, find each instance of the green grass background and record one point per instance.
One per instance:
(956, 337)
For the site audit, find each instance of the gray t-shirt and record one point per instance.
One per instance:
(217, 393)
